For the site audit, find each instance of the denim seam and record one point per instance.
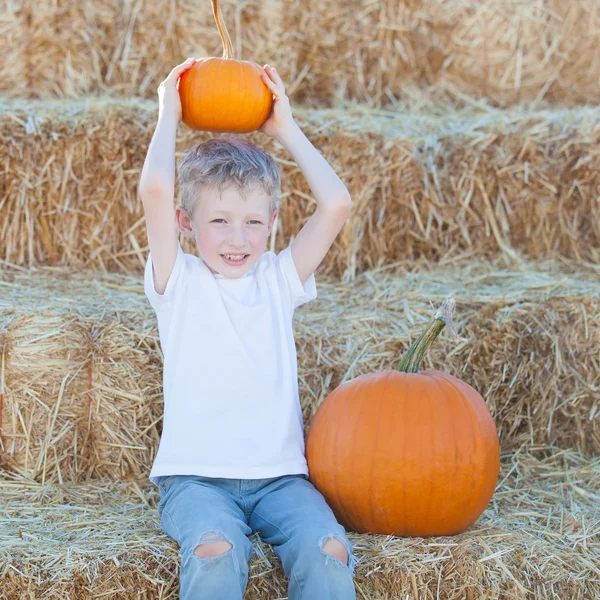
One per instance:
(300, 586)
(167, 514)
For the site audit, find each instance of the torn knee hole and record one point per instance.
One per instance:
(336, 549)
(216, 548)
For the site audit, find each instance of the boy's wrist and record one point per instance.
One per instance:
(288, 133)
(164, 116)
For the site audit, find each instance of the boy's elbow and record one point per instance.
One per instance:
(337, 209)
(344, 205)
(153, 192)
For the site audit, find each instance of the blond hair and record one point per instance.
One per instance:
(219, 163)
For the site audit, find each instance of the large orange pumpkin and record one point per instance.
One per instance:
(405, 452)
(224, 94)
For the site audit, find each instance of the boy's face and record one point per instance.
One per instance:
(228, 224)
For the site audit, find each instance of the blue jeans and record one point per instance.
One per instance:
(287, 512)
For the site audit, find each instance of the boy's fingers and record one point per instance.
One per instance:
(272, 78)
(182, 67)
(272, 71)
(266, 79)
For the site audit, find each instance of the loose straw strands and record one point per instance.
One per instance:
(378, 53)
(82, 363)
(456, 52)
(538, 538)
(435, 186)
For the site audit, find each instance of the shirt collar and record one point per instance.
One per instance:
(250, 272)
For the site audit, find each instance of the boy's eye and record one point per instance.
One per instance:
(217, 220)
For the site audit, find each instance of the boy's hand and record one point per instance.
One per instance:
(281, 118)
(168, 91)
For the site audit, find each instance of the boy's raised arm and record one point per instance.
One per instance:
(332, 197)
(157, 181)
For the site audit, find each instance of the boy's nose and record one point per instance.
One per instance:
(237, 238)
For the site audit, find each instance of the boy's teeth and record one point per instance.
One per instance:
(230, 257)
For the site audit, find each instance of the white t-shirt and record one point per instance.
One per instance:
(230, 379)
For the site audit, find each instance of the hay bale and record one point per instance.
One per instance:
(113, 47)
(433, 185)
(82, 382)
(379, 53)
(535, 539)
(81, 363)
(455, 53)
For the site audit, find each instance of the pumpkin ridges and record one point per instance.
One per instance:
(231, 99)
(326, 479)
(403, 458)
(471, 435)
(383, 431)
(224, 94)
(434, 451)
(318, 430)
(384, 468)
(402, 519)
(485, 439)
(417, 451)
(221, 108)
(242, 99)
(367, 498)
(345, 511)
(465, 435)
(217, 75)
(356, 397)
(373, 480)
(370, 504)
(400, 483)
(262, 110)
(333, 461)
(252, 108)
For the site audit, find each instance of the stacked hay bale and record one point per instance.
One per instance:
(504, 52)
(433, 186)
(461, 132)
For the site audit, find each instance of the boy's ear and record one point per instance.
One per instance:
(272, 219)
(184, 222)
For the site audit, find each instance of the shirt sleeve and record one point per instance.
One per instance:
(174, 284)
(299, 294)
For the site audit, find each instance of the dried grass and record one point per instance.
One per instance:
(537, 539)
(81, 364)
(378, 53)
(451, 196)
(424, 184)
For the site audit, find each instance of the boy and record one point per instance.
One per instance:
(231, 455)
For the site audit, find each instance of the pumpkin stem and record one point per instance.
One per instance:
(225, 39)
(410, 362)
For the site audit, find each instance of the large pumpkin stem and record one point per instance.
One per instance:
(410, 362)
(225, 39)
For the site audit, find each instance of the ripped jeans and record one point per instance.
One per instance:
(287, 512)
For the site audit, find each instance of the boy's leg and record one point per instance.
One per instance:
(200, 514)
(293, 516)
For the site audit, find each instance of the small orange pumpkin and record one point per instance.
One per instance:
(224, 94)
(403, 452)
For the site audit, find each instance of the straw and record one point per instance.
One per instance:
(380, 53)
(538, 538)
(424, 185)
(83, 367)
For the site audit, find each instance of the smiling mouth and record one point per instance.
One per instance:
(236, 258)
